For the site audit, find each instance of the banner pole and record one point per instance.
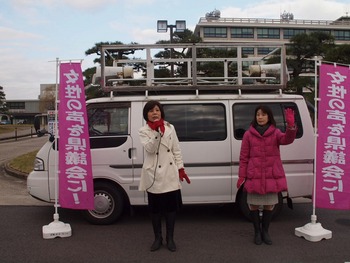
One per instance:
(314, 231)
(56, 228)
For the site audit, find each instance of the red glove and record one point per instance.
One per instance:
(183, 175)
(240, 182)
(289, 117)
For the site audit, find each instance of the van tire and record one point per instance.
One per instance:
(244, 208)
(109, 204)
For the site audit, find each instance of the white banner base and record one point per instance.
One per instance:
(313, 231)
(56, 229)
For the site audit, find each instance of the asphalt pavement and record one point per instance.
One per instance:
(13, 185)
(203, 233)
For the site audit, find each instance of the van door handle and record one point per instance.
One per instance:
(129, 153)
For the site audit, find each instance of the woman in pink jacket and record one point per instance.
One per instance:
(261, 168)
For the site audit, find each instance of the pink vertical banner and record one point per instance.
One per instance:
(333, 142)
(75, 172)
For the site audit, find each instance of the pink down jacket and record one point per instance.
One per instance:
(260, 160)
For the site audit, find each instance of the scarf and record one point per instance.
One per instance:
(156, 124)
(262, 129)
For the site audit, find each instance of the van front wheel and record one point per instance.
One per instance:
(109, 204)
(241, 201)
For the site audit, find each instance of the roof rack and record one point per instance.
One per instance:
(191, 67)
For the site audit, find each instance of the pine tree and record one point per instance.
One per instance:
(3, 108)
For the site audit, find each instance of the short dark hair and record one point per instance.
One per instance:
(267, 110)
(150, 105)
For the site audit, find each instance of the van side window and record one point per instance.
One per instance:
(108, 120)
(243, 114)
(197, 122)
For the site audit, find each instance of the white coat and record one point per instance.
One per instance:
(160, 171)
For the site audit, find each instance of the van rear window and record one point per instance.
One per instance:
(243, 114)
(197, 122)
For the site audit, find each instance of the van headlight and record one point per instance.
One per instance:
(38, 164)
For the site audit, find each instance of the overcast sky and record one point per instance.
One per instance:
(33, 33)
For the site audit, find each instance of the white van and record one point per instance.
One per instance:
(210, 129)
(210, 125)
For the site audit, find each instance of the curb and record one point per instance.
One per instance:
(14, 172)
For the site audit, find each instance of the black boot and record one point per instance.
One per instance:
(266, 219)
(157, 229)
(257, 230)
(170, 224)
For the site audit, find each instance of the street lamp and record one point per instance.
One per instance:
(162, 27)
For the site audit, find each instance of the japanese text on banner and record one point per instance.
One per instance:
(332, 172)
(75, 177)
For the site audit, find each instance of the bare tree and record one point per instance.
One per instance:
(47, 99)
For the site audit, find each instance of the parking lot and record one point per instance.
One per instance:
(203, 233)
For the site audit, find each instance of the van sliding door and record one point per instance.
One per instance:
(202, 129)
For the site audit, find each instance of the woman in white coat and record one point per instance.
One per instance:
(161, 172)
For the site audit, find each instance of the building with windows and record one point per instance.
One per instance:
(24, 111)
(213, 28)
